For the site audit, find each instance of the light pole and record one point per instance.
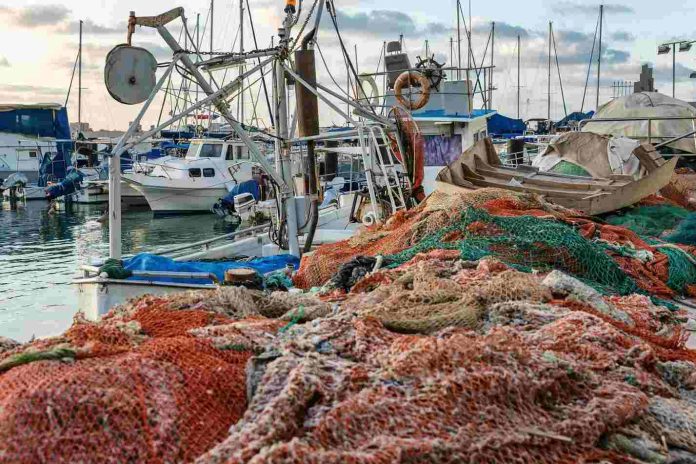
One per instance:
(663, 49)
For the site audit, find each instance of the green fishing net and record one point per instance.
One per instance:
(568, 168)
(650, 220)
(685, 231)
(526, 243)
(682, 271)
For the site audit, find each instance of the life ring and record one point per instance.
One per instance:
(412, 78)
(360, 90)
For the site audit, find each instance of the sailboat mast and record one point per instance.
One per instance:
(241, 67)
(518, 76)
(459, 43)
(599, 56)
(212, 9)
(549, 76)
(490, 80)
(79, 84)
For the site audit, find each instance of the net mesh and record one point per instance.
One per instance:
(157, 380)
(499, 328)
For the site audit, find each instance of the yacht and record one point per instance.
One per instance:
(193, 184)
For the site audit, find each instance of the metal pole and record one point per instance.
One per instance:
(282, 133)
(451, 52)
(212, 9)
(674, 74)
(115, 172)
(518, 76)
(549, 77)
(599, 56)
(490, 80)
(241, 50)
(470, 92)
(459, 43)
(79, 86)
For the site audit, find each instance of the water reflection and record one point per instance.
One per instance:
(40, 252)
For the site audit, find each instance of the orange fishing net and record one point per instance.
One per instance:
(141, 386)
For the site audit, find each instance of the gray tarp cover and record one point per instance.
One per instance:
(647, 104)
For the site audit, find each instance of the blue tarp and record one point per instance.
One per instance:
(575, 116)
(69, 185)
(150, 262)
(500, 126)
(38, 122)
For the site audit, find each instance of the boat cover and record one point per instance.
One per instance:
(643, 105)
(500, 126)
(600, 156)
(151, 262)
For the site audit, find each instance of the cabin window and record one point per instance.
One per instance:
(208, 172)
(211, 150)
(229, 156)
(32, 154)
(195, 172)
(242, 154)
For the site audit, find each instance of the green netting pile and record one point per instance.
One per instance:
(526, 243)
(685, 231)
(682, 271)
(568, 168)
(651, 220)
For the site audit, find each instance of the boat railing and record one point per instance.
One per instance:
(650, 120)
(93, 271)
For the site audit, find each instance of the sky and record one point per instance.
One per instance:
(40, 43)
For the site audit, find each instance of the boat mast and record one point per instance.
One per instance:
(490, 80)
(241, 68)
(459, 43)
(469, 91)
(79, 85)
(518, 76)
(549, 77)
(599, 55)
(210, 108)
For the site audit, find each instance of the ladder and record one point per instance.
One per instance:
(380, 157)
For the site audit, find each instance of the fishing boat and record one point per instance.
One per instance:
(195, 183)
(584, 171)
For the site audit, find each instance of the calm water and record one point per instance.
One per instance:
(41, 252)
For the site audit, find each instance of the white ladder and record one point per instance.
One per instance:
(388, 167)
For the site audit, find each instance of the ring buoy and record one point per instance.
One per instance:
(365, 79)
(412, 78)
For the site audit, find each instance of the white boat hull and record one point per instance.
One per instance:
(96, 295)
(173, 200)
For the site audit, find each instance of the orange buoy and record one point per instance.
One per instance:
(413, 79)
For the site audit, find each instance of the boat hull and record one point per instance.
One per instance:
(172, 200)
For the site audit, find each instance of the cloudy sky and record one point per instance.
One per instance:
(39, 45)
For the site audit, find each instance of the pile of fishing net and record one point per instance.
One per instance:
(157, 380)
(546, 370)
(525, 232)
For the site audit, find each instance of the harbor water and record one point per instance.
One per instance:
(41, 251)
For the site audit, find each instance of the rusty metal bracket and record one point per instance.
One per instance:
(152, 21)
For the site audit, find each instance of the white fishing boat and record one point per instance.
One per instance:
(195, 183)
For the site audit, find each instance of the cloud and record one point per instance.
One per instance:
(89, 27)
(663, 73)
(32, 89)
(387, 22)
(39, 15)
(503, 30)
(573, 8)
(623, 36)
(4, 63)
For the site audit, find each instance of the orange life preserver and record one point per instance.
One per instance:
(411, 78)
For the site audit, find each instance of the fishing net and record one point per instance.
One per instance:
(685, 232)
(568, 168)
(430, 295)
(406, 229)
(545, 390)
(649, 220)
(157, 380)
